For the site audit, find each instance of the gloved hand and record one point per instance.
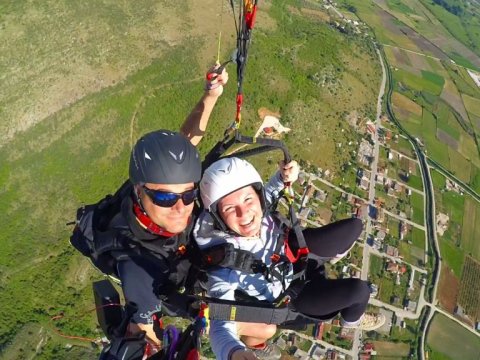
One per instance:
(215, 81)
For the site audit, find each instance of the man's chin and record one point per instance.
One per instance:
(176, 227)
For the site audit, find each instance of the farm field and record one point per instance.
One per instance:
(468, 296)
(433, 98)
(444, 336)
(391, 349)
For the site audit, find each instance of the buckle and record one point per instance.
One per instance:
(275, 258)
(259, 266)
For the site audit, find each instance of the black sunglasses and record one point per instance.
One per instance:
(168, 199)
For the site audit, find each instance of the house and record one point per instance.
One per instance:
(398, 187)
(347, 333)
(331, 355)
(381, 235)
(411, 305)
(304, 213)
(396, 268)
(403, 229)
(392, 267)
(300, 354)
(390, 250)
(318, 330)
(324, 216)
(320, 195)
(364, 183)
(292, 339)
(362, 212)
(317, 352)
(302, 177)
(281, 343)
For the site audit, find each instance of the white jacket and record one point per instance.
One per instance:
(222, 282)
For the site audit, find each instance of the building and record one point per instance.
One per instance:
(300, 354)
(320, 195)
(318, 330)
(390, 250)
(317, 352)
(396, 268)
(381, 235)
(347, 333)
(324, 216)
(411, 305)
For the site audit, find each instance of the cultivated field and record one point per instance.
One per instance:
(448, 289)
(445, 336)
(390, 349)
(469, 295)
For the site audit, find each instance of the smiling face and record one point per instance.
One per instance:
(174, 219)
(242, 211)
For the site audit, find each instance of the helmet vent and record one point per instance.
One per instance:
(178, 157)
(147, 156)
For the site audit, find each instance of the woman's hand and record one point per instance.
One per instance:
(289, 172)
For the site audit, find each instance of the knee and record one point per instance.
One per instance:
(360, 290)
(270, 330)
(256, 330)
(357, 227)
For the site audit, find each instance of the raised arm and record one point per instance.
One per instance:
(196, 123)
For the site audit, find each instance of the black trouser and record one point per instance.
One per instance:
(324, 298)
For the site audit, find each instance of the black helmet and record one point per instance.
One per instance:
(164, 157)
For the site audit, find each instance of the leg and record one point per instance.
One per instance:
(253, 334)
(333, 239)
(324, 298)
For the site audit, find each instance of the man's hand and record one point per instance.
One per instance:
(289, 172)
(216, 79)
(243, 355)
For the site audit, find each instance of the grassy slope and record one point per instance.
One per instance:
(81, 152)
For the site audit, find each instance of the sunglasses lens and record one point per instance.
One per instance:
(189, 196)
(163, 199)
(168, 199)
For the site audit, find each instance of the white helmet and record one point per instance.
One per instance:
(224, 177)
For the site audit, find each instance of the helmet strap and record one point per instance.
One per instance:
(145, 220)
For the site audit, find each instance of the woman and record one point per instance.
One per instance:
(235, 202)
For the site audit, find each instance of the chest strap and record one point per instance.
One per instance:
(226, 255)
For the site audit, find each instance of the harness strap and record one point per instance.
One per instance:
(226, 255)
(225, 310)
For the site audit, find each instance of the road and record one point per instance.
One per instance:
(371, 192)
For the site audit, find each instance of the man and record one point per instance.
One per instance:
(156, 218)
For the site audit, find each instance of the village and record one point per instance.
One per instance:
(396, 242)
